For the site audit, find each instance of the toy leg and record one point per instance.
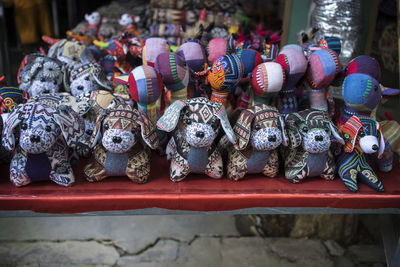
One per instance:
(18, 175)
(214, 168)
(94, 172)
(179, 168)
(62, 173)
(237, 167)
(295, 166)
(330, 168)
(368, 177)
(348, 168)
(138, 167)
(272, 167)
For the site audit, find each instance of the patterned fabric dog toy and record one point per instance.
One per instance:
(195, 124)
(42, 150)
(308, 153)
(124, 135)
(361, 136)
(259, 131)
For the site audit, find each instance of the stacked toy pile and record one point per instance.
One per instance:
(233, 104)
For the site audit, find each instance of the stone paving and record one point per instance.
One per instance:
(168, 240)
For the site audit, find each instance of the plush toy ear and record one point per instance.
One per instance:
(15, 118)
(284, 135)
(71, 124)
(292, 131)
(66, 81)
(220, 113)
(381, 140)
(96, 135)
(100, 77)
(149, 131)
(350, 132)
(169, 120)
(242, 128)
(335, 133)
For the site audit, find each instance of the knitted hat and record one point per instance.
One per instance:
(173, 71)
(324, 64)
(145, 84)
(152, 48)
(294, 63)
(267, 78)
(250, 59)
(194, 55)
(226, 73)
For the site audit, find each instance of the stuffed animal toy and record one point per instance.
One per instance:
(43, 75)
(259, 131)
(362, 136)
(41, 149)
(323, 67)
(266, 81)
(195, 125)
(310, 133)
(69, 51)
(124, 135)
(80, 78)
(174, 74)
(129, 23)
(94, 21)
(250, 59)
(295, 65)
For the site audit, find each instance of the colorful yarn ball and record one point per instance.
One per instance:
(267, 78)
(152, 48)
(250, 59)
(366, 65)
(217, 48)
(226, 73)
(292, 46)
(294, 64)
(145, 84)
(361, 92)
(194, 55)
(173, 71)
(323, 67)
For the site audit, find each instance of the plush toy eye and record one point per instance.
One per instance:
(48, 128)
(327, 130)
(42, 80)
(24, 126)
(134, 130)
(305, 129)
(188, 121)
(89, 132)
(106, 126)
(257, 127)
(87, 78)
(55, 82)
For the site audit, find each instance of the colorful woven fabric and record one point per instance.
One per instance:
(267, 79)
(174, 16)
(173, 71)
(175, 4)
(224, 5)
(331, 42)
(194, 55)
(226, 73)
(165, 29)
(250, 59)
(152, 48)
(10, 97)
(217, 48)
(366, 65)
(324, 64)
(391, 131)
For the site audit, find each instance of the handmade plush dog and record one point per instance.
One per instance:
(42, 150)
(124, 134)
(195, 124)
(43, 75)
(259, 131)
(362, 136)
(310, 132)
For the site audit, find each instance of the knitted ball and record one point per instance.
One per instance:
(250, 59)
(226, 73)
(292, 46)
(152, 48)
(194, 55)
(309, 48)
(294, 64)
(173, 71)
(145, 84)
(217, 48)
(324, 64)
(366, 65)
(361, 92)
(267, 78)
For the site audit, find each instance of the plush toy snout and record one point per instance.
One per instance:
(38, 140)
(200, 134)
(316, 141)
(118, 140)
(369, 144)
(267, 138)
